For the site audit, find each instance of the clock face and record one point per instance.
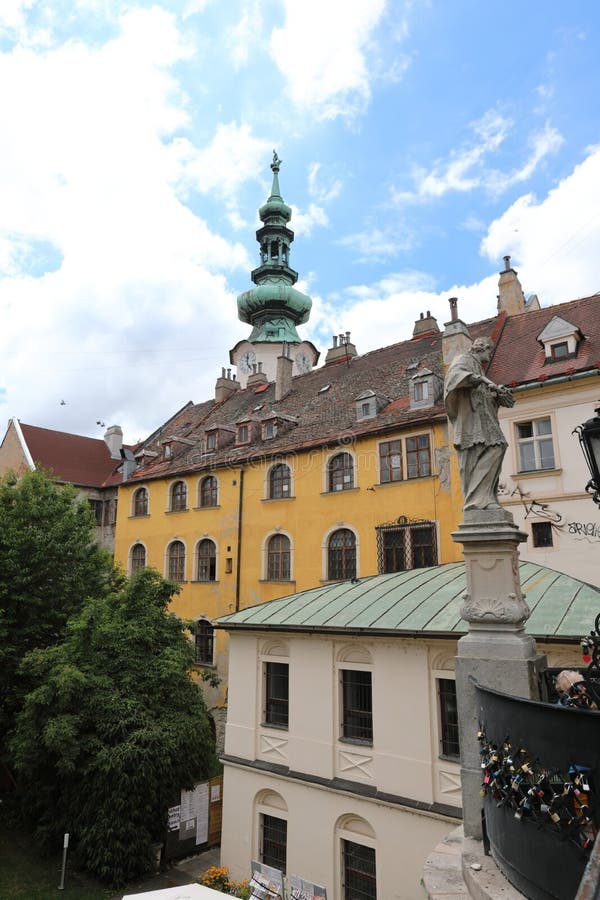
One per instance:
(303, 363)
(247, 360)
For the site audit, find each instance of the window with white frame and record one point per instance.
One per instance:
(535, 445)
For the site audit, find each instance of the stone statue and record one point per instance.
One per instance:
(472, 402)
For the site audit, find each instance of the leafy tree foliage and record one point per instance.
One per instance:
(114, 729)
(49, 564)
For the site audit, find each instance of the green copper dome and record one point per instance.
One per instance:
(274, 307)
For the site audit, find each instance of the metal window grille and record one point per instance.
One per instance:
(276, 693)
(341, 555)
(204, 643)
(418, 456)
(177, 561)
(274, 842)
(390, 461)
(359, 873)
(140, 504)
(341, 472)
(279, 481)
(208, 491)
(179, 496)
(138, 557)
(448, 717)
(278, 558)
(406, 544)
(207, 560)
(357, 705)
(541, 533)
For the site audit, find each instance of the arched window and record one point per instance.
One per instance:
(204, 643)
(176, 559)
(278, 558)
(179, 496)
(341, 472)
(280, 481)
(208, 491)
(207, 560)
(341, 555)
(137, 558)
(140, 502)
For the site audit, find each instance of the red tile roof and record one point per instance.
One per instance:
(71, 457)
(519, 357)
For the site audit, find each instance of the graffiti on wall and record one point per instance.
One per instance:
(534, 509)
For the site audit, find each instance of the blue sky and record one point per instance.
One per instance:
(421, 141)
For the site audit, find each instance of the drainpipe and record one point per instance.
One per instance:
(238, 567)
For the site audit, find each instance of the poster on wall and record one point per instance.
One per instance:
(194, 809)
(305, 890)
(266, 882)
(174, 819)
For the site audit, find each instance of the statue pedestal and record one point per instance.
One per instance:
(496, 652)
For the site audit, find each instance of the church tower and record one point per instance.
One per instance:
(274, 307)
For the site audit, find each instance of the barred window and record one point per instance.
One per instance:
(406, 545)
(341, 472)
(390, 461)
(209, 491)
(273, 842)
(179, 496)
(138, 558)
(176, 559)
(278, 558)
(279, 481)
(418, 456)
(341, 555)
(207, 560)
(276, 694)
(359, 881)
(357, 705)
(204, 643)
(449, 743)
(140, 502)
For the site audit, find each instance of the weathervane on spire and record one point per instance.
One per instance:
(276, 162)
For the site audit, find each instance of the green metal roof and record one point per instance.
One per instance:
(422, 601)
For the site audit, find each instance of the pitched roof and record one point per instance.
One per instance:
(423, 602)
(72, 457)
(320, 408)
(519, 357)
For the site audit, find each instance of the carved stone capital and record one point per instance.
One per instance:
(508, 610)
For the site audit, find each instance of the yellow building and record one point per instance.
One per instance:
(292, 476)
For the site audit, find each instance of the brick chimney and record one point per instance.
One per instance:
(257, 377)
(455, 337)
(342, 349)
(225, 386)
(511, 298)
(425, 325)
(114, 440)
(283, 378)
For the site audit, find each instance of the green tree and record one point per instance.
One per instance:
(49, 564)
(114, 728)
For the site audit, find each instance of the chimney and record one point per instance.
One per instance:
(283, 378)
(455, 337)
(342, 349)
(225, 386)
(257, 377)
(114, 440)
(511, 298)
(425, 325)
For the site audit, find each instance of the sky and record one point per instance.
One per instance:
(422, 140)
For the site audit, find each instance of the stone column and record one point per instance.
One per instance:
(496, 652)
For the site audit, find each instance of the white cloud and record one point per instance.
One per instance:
(375, 244)
(242, 39)
(466, 168)
(303, 223)
(323, 187)
(323, 52)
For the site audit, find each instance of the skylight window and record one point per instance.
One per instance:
(324, 388)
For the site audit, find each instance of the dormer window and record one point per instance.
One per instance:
(560, 339)
(424, 389)
(368, 404)
(269, 431)
(168, 451)
(243, 434)
(421, 391)
(211, 441)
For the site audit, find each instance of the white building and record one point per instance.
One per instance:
(341, 751)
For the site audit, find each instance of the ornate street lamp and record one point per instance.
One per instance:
(589, 438)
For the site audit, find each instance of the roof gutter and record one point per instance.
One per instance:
(559, 379)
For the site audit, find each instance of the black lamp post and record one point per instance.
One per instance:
(589, 438)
